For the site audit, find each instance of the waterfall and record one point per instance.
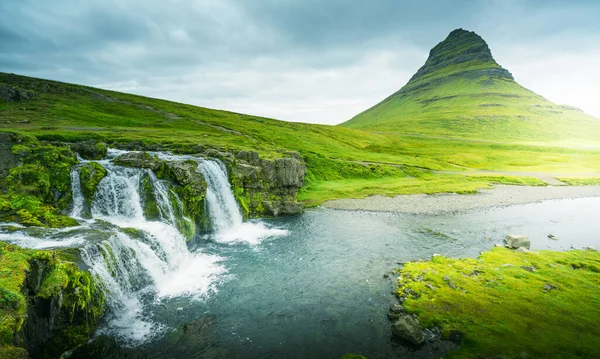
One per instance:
(77, 194)
(223, 208)
(143, 257)
(141, 263)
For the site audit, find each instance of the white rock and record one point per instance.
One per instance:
(515, 241)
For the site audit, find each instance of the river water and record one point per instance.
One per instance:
(308, 286)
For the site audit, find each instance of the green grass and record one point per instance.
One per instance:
(339, 160)
(581, 181)
(504, 309)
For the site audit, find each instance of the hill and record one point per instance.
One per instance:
(462, 92)
(341, 162)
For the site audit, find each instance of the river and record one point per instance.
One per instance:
(316, 285)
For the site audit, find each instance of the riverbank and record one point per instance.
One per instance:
(499, 196)
(508, 304)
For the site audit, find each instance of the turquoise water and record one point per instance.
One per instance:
(320, 291)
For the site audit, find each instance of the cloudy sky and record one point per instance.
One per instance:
(298, 60)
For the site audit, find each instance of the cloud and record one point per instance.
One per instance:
(310, 61)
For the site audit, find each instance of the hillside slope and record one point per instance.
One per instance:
(462, 92)
(341, 162)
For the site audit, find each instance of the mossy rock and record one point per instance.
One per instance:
(90, 175)
(91, 149)
(47, 303)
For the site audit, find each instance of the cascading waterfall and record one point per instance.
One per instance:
(77, 194)
(141, 262)
(223, 208)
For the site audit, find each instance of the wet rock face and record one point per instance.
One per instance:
(268, 187)
(62, 319)
(90, 150)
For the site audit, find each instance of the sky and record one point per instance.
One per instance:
(296, 60)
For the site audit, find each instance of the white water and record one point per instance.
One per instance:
(139, 262)
(77, 194)
(226, 219)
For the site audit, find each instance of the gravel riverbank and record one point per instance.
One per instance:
(451, 202)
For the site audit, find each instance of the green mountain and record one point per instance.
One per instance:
(462, 92)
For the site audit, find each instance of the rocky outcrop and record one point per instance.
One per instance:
(90, 150)
(185, 180)
(10, 93)
(268, 187)
(48, 304)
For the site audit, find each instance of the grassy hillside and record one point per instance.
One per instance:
(461, 92)
(342, 162)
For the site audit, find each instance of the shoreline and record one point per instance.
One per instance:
(443, 203)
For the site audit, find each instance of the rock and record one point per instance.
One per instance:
(451, 285)
(7, 159)
(456, 336)
(430, 286)
(522, 250)
(517, 241)
(268, 187)
(397, 309)
(551, 236)
(252, 158)
(497, 245)
(139, 160)
(90, 150)
(530, 269)
(507, 265)
(10, 93)
(407, 328)
(549, 286)
(523, 355)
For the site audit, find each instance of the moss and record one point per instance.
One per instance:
(149, 205)
(82, 301)
(90, 175)
(353, 356)
(34, 193)
(504, 309)
(11, 352)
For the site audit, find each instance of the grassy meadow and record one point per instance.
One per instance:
(341, 162)
(505, 309)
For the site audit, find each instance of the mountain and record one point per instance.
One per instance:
(462, 92)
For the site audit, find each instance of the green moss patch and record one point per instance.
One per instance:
(82, 301)
(544, 303)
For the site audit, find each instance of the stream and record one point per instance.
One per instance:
(307, 286)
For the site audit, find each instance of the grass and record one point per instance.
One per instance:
(340, 160)
(472, 97)
(582, 181)
(503, 309)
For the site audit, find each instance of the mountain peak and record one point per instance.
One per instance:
(462, 51)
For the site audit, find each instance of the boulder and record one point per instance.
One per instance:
(187, 174)
(90, 150)
(408, 329)
(517, 241)
(522, 250)
(138, 159)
